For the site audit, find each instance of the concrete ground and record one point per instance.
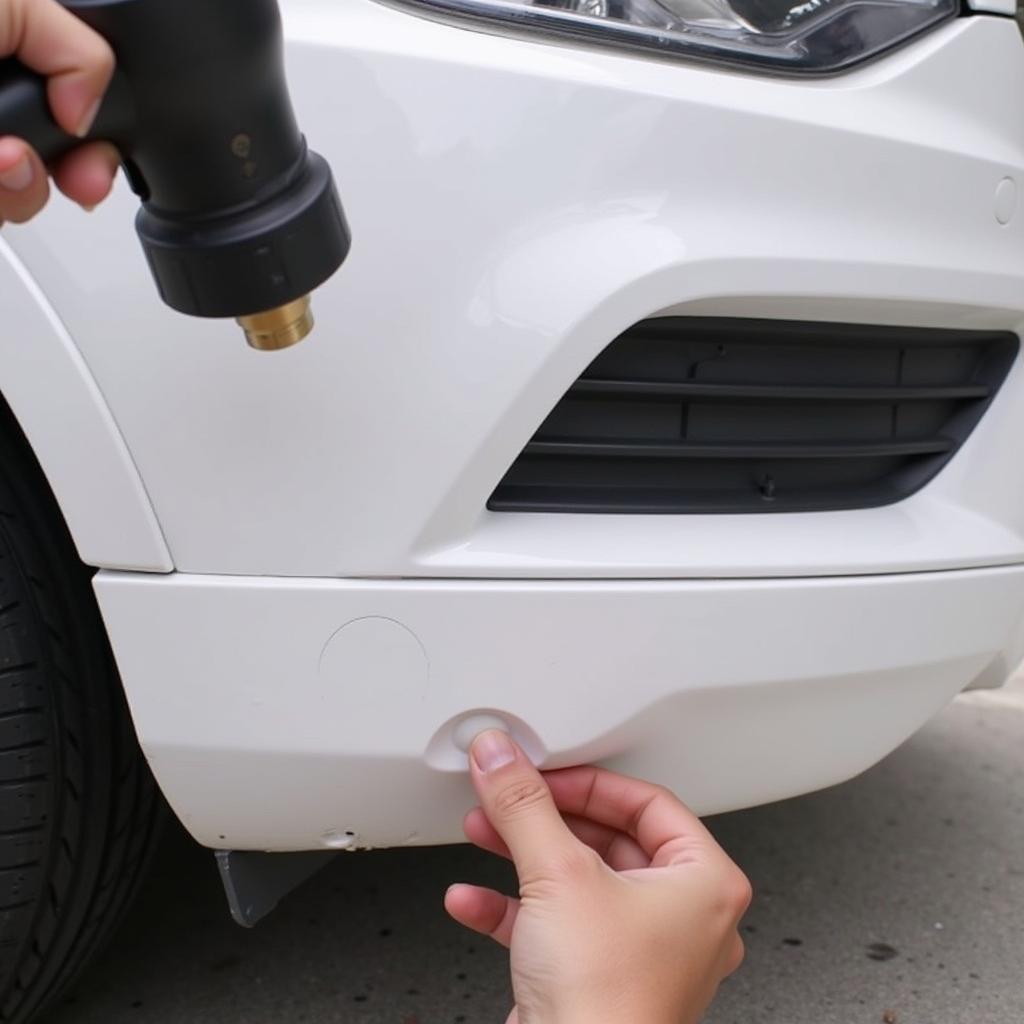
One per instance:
(896, 897)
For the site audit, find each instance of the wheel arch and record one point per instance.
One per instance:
(61, 411)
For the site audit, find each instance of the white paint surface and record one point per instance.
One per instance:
(1008, 7)
(514, 206)
(60, 409)
(732, 692)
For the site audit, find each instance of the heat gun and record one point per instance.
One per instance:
(238, 218)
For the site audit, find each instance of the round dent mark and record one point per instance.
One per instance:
(1006, 200)
(468, 729)
(448, 748)
(374, 663)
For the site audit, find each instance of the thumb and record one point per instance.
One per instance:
(518, 803)
(76, 60)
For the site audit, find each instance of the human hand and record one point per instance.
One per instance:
(78, 64)
(628, 909)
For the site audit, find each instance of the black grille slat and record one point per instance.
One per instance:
(705, 415)
(611, 502)
(671, 390)
(650, 450)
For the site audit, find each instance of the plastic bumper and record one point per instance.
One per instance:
(307, 714)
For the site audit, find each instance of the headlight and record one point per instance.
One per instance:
(807, 36)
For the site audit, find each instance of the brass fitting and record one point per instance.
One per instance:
(278, 328)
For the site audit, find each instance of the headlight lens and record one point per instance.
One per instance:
(808, 36)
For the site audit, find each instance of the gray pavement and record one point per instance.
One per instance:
(897, 896)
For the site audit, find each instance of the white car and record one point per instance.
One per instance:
(667, 412)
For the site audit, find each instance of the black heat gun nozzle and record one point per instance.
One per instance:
(238, 219)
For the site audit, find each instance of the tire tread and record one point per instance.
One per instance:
(79, 811)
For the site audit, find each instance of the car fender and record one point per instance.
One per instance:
(76, 440)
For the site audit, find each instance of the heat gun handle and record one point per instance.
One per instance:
(25, 113)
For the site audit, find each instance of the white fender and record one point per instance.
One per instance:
(72, 432)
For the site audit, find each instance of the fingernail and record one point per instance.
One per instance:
(87, 119)
(493, 750)
(19, 177)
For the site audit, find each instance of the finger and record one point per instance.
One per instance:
(513, 1017)
(24, 187)
(665, 829)
(86, 175)
(76, 60)
(480, 832)
(483, 910)
(518, 803)
(619, 851)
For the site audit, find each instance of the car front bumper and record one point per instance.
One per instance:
(304, 714)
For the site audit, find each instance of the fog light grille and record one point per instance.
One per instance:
(699, 415)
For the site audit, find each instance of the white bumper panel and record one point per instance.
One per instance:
(288, 714)
(515, 205)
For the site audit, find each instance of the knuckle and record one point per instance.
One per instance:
(737, 892)
(99, 58)
(576, 860)
(519, 796)
(664, 793)
(568, 866)
(540, 887)
(104, 60)
(729, 894)
(95, 55)
(20, 214)
(738, 955)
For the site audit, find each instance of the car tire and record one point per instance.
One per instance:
(79, 811)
